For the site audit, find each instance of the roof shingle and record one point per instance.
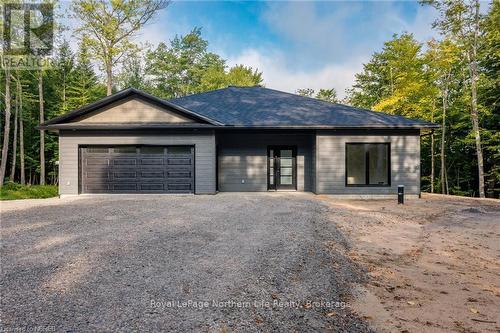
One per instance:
(262, 107)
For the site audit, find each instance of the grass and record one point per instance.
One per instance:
(13, 191)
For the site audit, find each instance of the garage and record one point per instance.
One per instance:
(136, 169)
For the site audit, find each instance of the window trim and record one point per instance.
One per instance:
(367, 169)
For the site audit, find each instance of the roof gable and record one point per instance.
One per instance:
(93, 112)
(132, 110)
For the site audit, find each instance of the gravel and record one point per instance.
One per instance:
(229, 262)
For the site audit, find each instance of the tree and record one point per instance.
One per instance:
(177, 69)
(370, 85)
(308, 92)
(42, 132)
(133, 75)
(85, 87)
(460, 20)
(489, 96)
(14, 140)
(213, 76)
(443, 58)
(243, 76)
(185, 67)
(216, 77)
(6, 131)
(108, 26)
(394, 81)
(19, 90)
(329, 95)
(64, 64)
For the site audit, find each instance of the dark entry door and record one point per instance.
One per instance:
(137, 169)
(282, 167)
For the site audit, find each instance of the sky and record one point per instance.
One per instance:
(295, 44)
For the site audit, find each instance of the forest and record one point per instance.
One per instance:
(453, 80)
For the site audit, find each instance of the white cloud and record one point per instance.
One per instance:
(311, 34)
(327, 43)
(278, 75)
(421, 26)
(339, 31)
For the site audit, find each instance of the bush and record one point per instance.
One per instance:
(14, 191)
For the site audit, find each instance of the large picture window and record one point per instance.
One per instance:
(368, 164)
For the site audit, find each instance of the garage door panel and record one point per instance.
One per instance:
(179, 161)
(157, 174)
(97, 174)
(153, 187)
(178, 181)
(179, 174)
(152, 161)
(151, 169)
(129, 175)
(179, 187)
(125, 186)
(123, 162)
(97, 188)
(96, 181)
(97, 161)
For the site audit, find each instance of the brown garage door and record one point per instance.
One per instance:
(137, 169)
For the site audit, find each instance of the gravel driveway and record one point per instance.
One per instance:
(229, 262)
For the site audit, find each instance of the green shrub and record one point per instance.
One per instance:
(14, 191)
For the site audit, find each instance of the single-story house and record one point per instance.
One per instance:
(235, 139)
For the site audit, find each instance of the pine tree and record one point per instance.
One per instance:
(85, 87)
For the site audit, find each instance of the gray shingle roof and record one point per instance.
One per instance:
(257, 106)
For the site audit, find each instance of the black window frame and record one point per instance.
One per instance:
(367, 161)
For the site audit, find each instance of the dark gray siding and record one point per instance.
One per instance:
(314, 153)
(330, 168)
(204, 143)
(243, 157)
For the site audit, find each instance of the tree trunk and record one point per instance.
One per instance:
(432, 162)
(64, 92)
(42, 132)
(6, 131)
(477, 136)
(21, 131)
(14, 142)
(474, 113)
(443, 136)
(446, 181)
(109, 79)
(432, 149)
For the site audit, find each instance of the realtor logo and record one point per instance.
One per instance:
(28, 33)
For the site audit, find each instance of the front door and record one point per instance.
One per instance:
(282, 168)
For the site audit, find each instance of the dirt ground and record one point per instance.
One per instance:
(434, 263)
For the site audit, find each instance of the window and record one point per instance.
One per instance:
(152, 150)
(179, 150)
(125, 150)
(99, 150)
(368, 164)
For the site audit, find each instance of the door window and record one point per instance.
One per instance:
(281, 168)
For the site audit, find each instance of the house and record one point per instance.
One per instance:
(235, 139)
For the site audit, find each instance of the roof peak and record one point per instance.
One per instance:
(235, 86)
